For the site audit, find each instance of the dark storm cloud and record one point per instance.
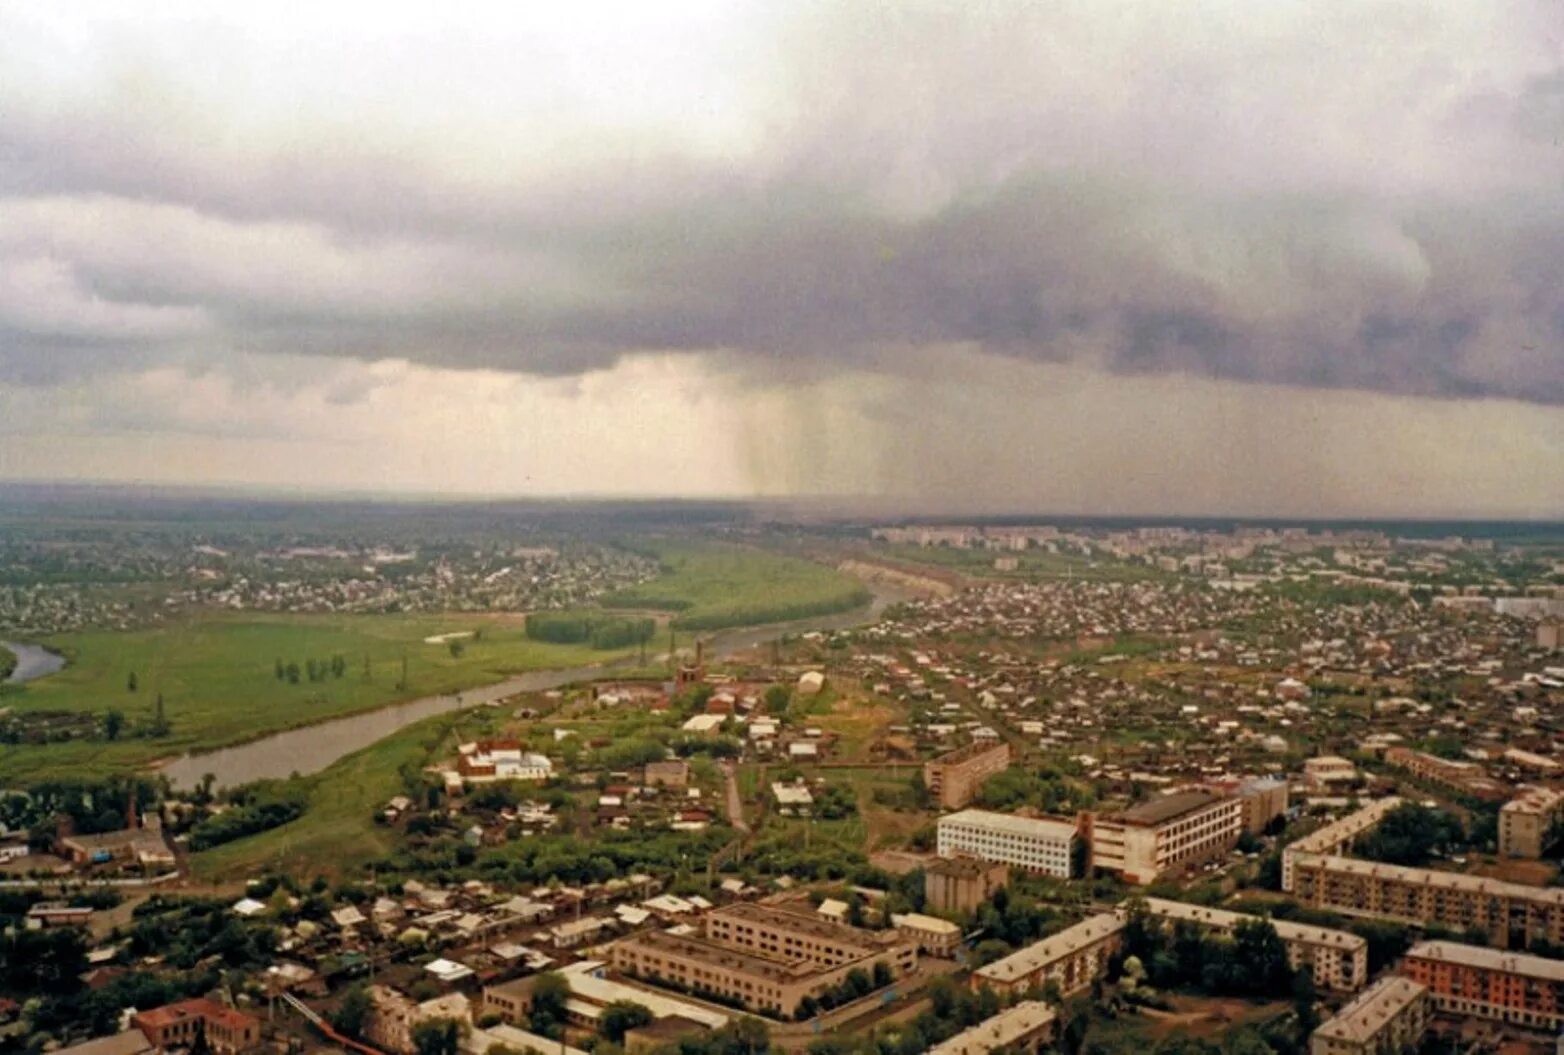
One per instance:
(1099, 184)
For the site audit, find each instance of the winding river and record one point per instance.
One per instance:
(313, 748)
(32, 661)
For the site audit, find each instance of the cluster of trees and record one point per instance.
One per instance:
(1253, 962)
(1045, 788)
(835, 802)
(254, 808)
(560, 857)
(91, 805)
(314, 670)
(1412, 834)
(189, 931)
(7, 663)
(599, 631)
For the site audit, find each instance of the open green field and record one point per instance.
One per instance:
(337, 832)
(715, 585)
(217, 676)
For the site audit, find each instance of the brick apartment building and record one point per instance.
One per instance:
(953, 779)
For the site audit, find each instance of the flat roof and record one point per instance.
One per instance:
(726, 957)
(1489, 959)
(803, 922)
(918, 921)
(962, 867)
(1366, 1014)
(1429, 877)
(1010, 824)
(1287, 930)
(967, 752)
(1533, 800)
(1348, 827)
(600, 992)
(1168, 807)
(1007, 1027)
(1040, 954)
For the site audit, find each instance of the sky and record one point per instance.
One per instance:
(1088, 256)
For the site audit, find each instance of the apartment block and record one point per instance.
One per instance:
(1510, 913)
(1531, 823)
(770, 930)
(767, 959)
(1521, 990)
(953, 779)
(1465, 778)
(1024, 1029)
(1036, 845)
(961, 884)
(592, 994)
(1336, 959)
(1071, 959)
(932, 935)
(1338, 836)
(1175, 831)
(1388, 1018)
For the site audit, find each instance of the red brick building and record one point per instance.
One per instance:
(178, 1025)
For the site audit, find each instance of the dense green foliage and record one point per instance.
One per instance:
(254, 809)
(7, 662)
(1041, 788)
(599, 631)
(1253, 962)
(621, 1016)
(1412, 834)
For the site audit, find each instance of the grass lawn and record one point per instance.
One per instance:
(218, 681)
(337, 833)
(714, 585)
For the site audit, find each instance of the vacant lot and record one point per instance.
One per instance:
(716, 585)
(218, 677)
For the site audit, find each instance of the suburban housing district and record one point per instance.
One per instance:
(1091, 791)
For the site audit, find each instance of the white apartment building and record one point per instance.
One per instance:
(1337, 960)
(1037, 845)
(1175, 831)
(1071, 959)
(1386, 1019)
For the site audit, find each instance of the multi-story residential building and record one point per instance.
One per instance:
(1264, 799)
(955, 777)
(774, 985)
(1036, 845)
(1387, 1018)
(1172, 832)
(1473, 980)
(1338, 836)
(932, 935)
(1336, 959)
(1531, 823)
(1509, 913)
(770, 930)
(959, 885)
(769, 960)
(180, 1025)
(393, 1016)
(1464, 778)
(1326, 770)
(1024, 1029)
(1071, 959)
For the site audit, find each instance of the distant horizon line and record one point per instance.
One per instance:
(906, 508)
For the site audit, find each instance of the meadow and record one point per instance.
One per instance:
(337, 832)
(218, 679)
(716, 585)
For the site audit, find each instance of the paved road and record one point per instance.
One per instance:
(735, 801)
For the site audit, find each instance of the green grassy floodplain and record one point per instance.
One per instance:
(337, 833)
(714, 585)
(216, 674)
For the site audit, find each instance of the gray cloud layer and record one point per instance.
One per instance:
(1365, 196)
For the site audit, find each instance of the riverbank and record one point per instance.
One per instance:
(21, 663)
(227, 679)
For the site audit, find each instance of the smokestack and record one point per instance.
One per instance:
(131, 823)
